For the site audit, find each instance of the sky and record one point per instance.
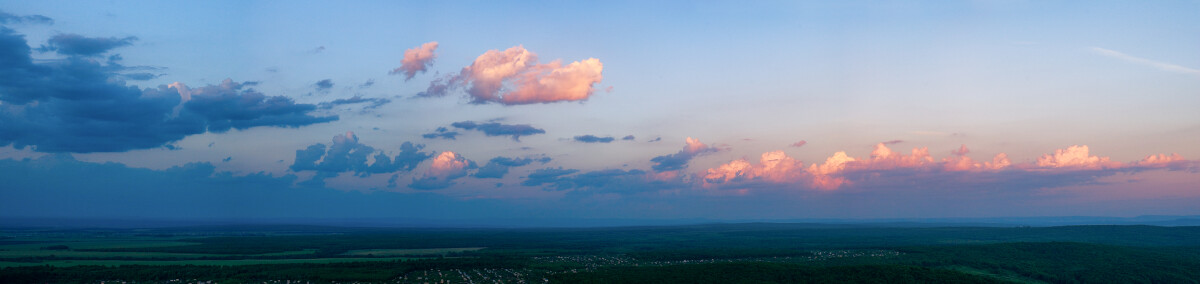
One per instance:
(456, 110)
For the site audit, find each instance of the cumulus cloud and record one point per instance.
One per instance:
(446, 167)
(416, 59)
(498, 129)
(442, 133)
(1075, 157)
(347, 155)
(80, 104)
(514, 77)
(77, 45)
(886, 168)
(498, 167)
(593, 139)
(6, 18)
(692, 148)
(371, 103)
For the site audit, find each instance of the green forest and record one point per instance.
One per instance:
(714, 253)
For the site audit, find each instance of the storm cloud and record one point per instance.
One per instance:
(79, 104)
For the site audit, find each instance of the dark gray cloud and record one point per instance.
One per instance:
(602, 181)
(6, 18)
(593, 139)
(498, 167)
(324, 85)
(680, 159)
(140, 76)
(77, 45)
(498, 129)
(372, 102)
(627, 138)
(347, 155)
(547, 175)
(232, 105)
(671, 162)
(442, 133)
(80, 105)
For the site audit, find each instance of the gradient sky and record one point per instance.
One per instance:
(671, 109)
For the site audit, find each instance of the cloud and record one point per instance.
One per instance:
(77, 45)
(1075, 157)
(367, 84)
(608, 181)
(442, 133)
(693, 147)
(58, 186)
(514, 77)
(628, 138)
(324, 85)
(498, 167)
(446, 167)
(800, 143)
(140, 76)
(1146, 62)
(232, 105)
(416, 59)
(81, 105)
(885, 168)
(373, 102)
(347, 155)
(547, 175)
(593, 139)
(498, 129)
(6, 18)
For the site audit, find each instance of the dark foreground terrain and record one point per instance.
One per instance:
(719, 253)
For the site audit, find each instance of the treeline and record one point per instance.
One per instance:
(374, 271)
(757, 272)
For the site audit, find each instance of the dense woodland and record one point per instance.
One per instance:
(726, 253)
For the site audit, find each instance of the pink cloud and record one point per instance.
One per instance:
(416, 59)
(885, 166)
(1075, 157)
(448, 165)
(514, 77)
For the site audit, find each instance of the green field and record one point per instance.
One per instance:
(403, 252)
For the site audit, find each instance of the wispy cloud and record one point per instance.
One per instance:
(1147, 62)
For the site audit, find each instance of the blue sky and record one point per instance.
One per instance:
(736, 110)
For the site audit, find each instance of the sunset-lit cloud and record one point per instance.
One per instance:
(446, 167)
(841, 170)
(692, 148)
(416, 59)
(514, 77)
